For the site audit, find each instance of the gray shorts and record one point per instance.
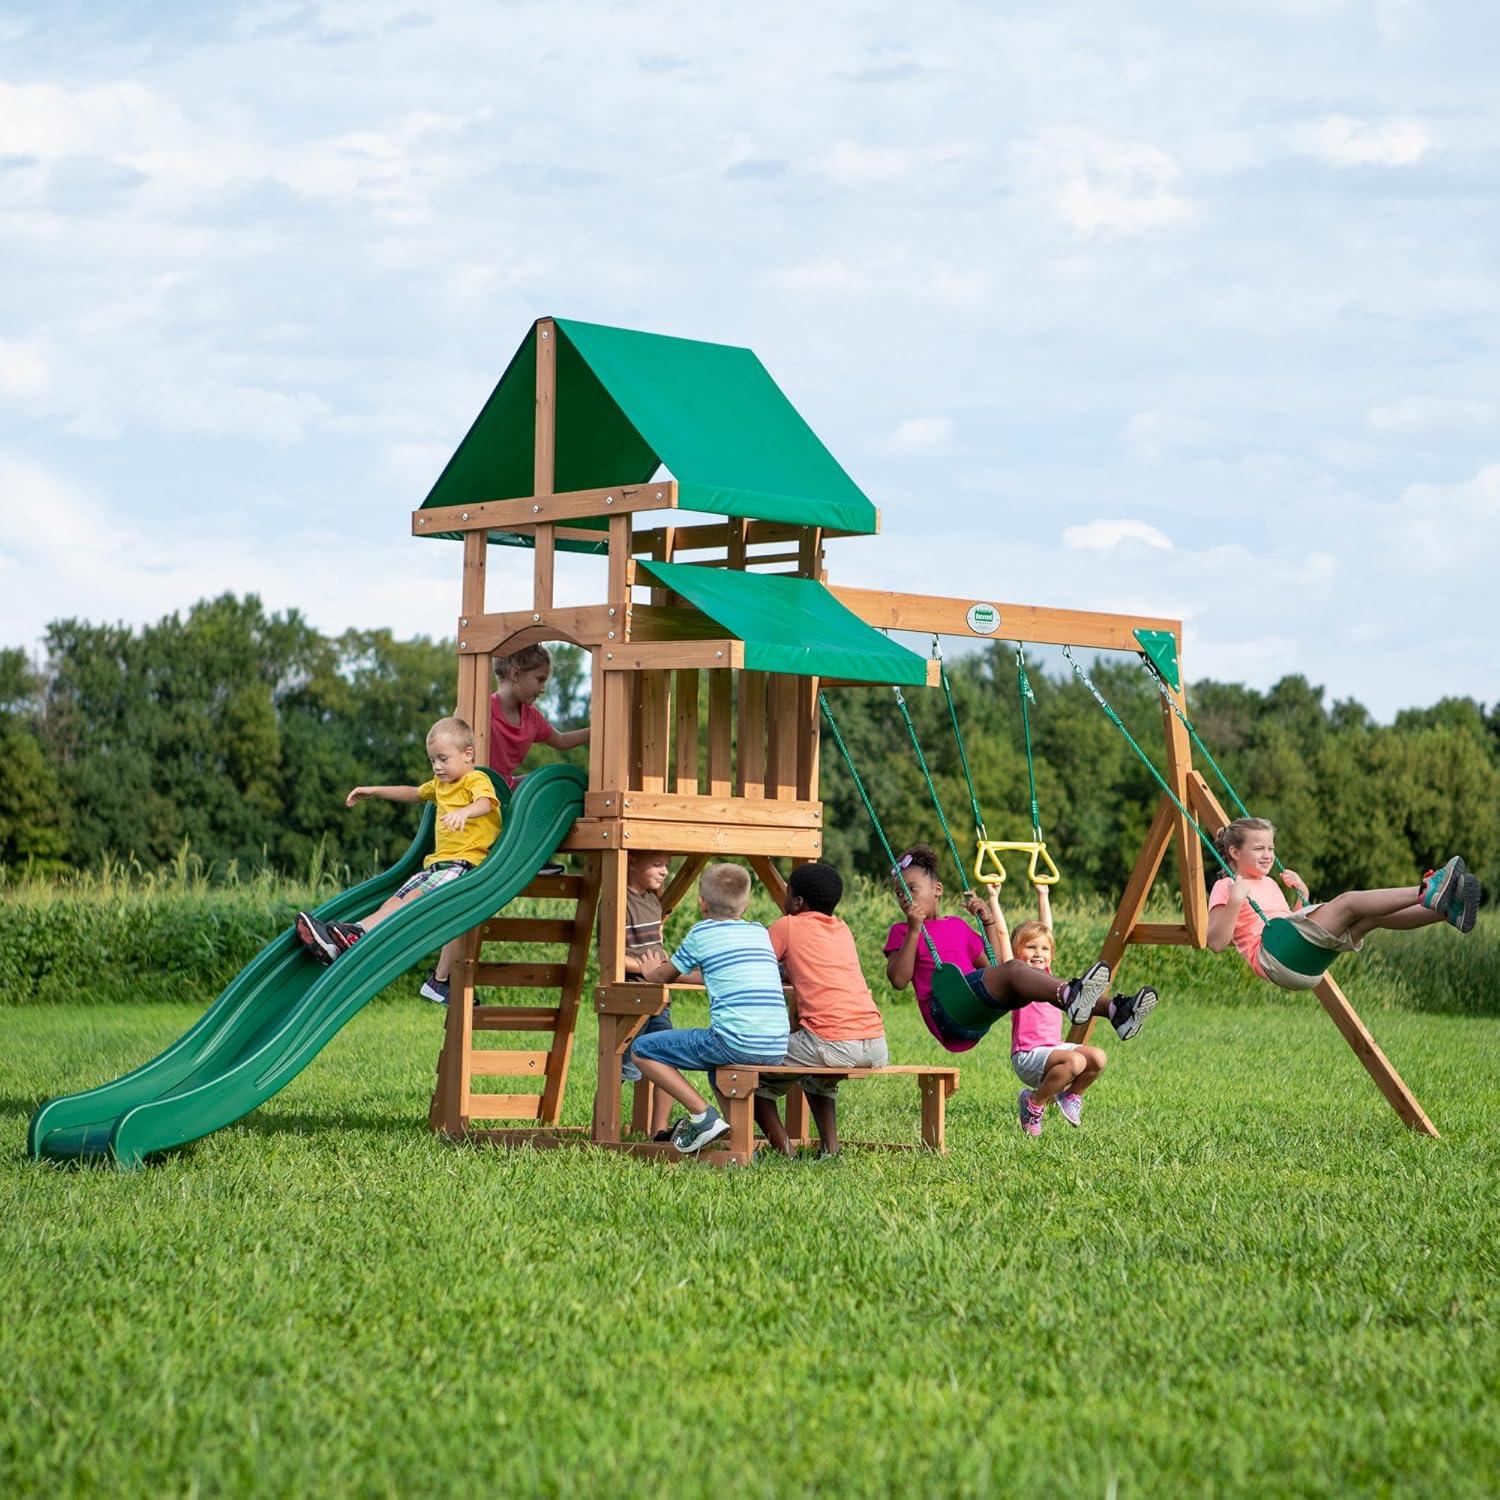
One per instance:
(1032, 1063)
(812, 1051)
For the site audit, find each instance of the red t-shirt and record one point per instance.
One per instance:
(510, 742)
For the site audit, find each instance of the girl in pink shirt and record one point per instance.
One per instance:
(515, 724)
(1001, 987)
(1055, 1071)
(1248, 845)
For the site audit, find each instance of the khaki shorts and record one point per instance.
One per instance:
(1319, 937)
(812, 1051)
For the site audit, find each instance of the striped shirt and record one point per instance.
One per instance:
(745, 1003)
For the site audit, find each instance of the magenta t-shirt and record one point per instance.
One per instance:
(510, 742)
(1035, 1025)
(957, 943)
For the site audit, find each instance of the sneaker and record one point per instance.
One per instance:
(551, 868)
(1440, 886)
(1030, 1116)
(693, 1135)
(345, 934)
(316, 938)
(1463, 909)
(1070, 1107)
(1079, 996)
(435, 989)
(662, 1137)
(1127, 1013)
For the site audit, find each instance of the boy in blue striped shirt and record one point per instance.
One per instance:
(747, 1018)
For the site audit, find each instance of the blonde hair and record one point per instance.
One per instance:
(527, 659)
(1232, 835)
(1027, 932)
(455, 729)
(725, 890)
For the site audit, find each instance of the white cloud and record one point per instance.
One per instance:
(855, 165)
(1347, 142)
(1105, 536)
(1105, 186)
(1448, 532)
(921, 435)
(23, 369)
(1429, 413)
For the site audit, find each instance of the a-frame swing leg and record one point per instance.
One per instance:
(1133, 901)
(1207, 810)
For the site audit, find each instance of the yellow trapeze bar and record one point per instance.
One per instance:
(1040, 869)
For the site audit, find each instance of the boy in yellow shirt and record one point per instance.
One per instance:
(468, 823)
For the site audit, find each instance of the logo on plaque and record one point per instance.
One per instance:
(983, 619)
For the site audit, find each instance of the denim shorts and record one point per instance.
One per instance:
(697, 1049)
(433, 877)
(660, 1022)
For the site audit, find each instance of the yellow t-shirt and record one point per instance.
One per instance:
(472, 841)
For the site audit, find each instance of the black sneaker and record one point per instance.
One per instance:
(662, 1137)
(345, 934)
(435, 989)
(1127, 1013)
(1081, 995)
(316, 938)
(693, 1135)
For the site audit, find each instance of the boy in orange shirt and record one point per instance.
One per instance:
(838, 1024)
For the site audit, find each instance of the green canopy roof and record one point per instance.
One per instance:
(792, 625)
(628, 402)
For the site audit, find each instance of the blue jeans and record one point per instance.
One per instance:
(692, 1049)
(661, 1022)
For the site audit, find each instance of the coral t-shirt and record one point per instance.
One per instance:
(510, 742)
(833, 999)
(1248, 928)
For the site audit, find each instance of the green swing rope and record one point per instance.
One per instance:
(1023, 691)
(864, 797)
(1171, 702)
(958, 736)
(1161, 781)
(932, 791)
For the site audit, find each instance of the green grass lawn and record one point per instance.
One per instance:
(1241, 1276)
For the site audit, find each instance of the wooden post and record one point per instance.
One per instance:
(612, 871)
(561, 1053)
(655, 716)
(720, 732)
(544, 460)
(685, 735)
(750, 736)
(1189, 849)
(474, 668)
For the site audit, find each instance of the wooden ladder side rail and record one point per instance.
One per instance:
(1210, 813)
(561, 1052)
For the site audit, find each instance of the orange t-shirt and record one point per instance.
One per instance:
(833, 999)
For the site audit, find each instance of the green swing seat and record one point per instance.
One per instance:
(1297, 954)
(956, 1009)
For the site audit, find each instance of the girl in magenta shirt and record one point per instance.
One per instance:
(515, 724)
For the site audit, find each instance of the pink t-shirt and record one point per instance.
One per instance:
(957, 943)
(1248, 928)
(510, 742)
(1035, 1025)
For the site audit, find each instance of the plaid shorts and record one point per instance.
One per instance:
(433, 877)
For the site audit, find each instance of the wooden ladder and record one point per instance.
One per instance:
(455, 1103)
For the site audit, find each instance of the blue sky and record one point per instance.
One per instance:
(1189, 309)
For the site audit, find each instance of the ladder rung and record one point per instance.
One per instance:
(556, 887)
(486, 1063)
(520, 976)
(505, 1106)
(528, 930)
(515, 1018)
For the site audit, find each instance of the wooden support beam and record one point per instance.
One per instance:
(656, 709)
(720, 733)
(1025, 622)
(750, 736)
(681, 883)
(770, 877)
(685, 734)
(571, 505)
(544, 451)
(782, 737)
(668, 807)
(500, 634)
(645, 656)
(693, 838)
(561, 1054)
(612, 903)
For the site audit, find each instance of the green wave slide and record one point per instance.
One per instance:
(283, 1007)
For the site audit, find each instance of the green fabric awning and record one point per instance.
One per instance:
(792, 625)
(628, 402)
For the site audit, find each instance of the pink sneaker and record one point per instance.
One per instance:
(1070, 1107)
(1031, 1117)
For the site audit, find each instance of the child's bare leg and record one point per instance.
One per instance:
(1402, 921)
(661, 1111)
(1094, 1059)
(387, 908)
(448, 957)
(671, 1083)
(1370, 908)
(768, 1117)
(1015, 984)
(1062, 1068)
(824, 1109)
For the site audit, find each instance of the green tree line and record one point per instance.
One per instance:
(238, 731)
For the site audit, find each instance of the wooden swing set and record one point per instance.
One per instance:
(710, 647)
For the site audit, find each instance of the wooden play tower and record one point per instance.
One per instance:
(715, 632)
